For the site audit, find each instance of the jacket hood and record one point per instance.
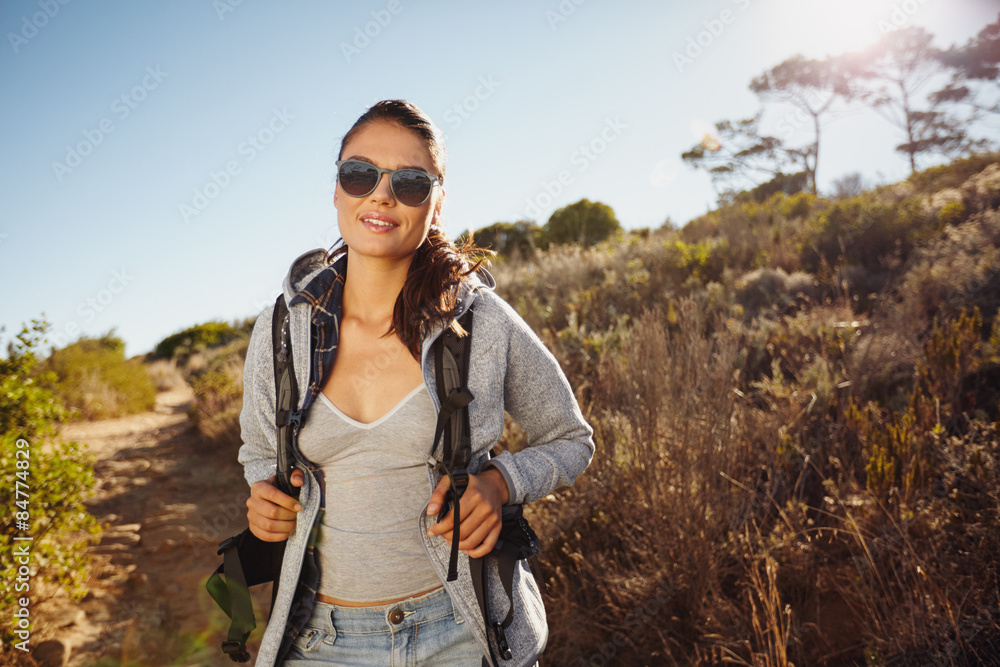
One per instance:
(310, 264)
(305, 267)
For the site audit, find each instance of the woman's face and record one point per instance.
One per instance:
(377, 225)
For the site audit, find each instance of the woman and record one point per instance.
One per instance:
(360, 583)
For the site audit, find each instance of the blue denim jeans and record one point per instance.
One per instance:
(421, 630)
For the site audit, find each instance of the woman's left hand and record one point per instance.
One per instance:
(481, 504)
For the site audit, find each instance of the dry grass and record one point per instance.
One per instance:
(788, 471)
(165, 374)
(218, 391)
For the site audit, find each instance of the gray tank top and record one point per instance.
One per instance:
(376, 486)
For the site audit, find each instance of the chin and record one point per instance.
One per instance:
(380, 251)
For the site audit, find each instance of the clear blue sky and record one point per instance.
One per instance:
(116, 115)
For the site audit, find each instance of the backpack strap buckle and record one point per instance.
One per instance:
(501, 638)
(236, 650)
(225, 544)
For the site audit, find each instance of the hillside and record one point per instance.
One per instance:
(796, 405)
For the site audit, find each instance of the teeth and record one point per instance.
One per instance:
(380, 223)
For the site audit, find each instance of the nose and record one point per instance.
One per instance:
(383, 190)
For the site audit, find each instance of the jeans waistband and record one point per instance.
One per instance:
(384, 618)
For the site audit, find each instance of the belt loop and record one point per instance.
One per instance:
(456, 614)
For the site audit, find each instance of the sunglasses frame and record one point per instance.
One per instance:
(392, 172)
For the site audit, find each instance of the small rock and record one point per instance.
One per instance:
(51, 653)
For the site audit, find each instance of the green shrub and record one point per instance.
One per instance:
(97, 382)
(47, 480)
(952, 213)
(507, 238)
(584, 222)
(953, 174)
(864, 230)
(796, 206)
(196, 338)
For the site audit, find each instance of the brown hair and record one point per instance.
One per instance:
(429, 295)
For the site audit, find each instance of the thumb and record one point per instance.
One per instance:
(298, 477)
(437, 498)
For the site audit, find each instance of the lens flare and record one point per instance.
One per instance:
(706, 134)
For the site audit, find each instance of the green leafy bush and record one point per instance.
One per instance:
(584, 222)
(952, 213)
(953, 174)
(96, 381)
(198, 337)
(47, 480)
(509, 238)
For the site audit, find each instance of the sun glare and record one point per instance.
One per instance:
(818, 28)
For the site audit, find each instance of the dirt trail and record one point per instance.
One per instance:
(166, 498)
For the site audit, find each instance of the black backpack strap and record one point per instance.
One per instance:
(517, 540)
(451, 370)
(264, 559)
(286, 390)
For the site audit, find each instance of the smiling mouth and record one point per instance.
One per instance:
(377, 223)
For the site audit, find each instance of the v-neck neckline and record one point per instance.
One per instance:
(390, 413)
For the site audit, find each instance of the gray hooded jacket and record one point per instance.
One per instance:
(510, 369)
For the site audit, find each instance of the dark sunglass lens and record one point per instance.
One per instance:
(358, 178)
(411, 187)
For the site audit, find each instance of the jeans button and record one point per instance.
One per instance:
(396, 616)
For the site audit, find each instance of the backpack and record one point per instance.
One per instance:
(251, 561)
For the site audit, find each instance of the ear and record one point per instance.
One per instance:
(436, 220)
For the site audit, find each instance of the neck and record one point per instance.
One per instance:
(371, 288)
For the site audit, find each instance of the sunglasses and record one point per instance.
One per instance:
(409, 186)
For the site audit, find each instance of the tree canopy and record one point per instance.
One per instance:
(584, 222)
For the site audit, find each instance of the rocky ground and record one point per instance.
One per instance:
(166, 498)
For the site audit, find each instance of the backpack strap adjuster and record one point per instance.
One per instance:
(226, 543)
(501, 638)
(236, 650)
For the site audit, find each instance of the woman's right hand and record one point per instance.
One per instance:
(270, 512)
